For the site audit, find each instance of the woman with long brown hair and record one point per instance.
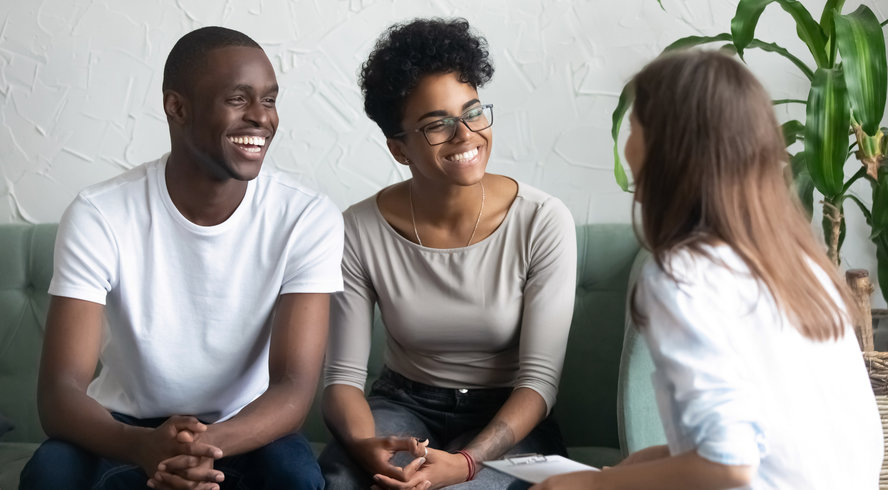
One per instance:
(758, 374)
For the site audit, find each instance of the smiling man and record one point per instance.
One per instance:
(202, 287)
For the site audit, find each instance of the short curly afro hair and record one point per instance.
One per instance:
(405, 53)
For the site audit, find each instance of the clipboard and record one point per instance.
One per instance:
(535, 468)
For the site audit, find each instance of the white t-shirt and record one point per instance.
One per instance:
(738, 383)
(188, 308)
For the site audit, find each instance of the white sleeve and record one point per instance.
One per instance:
(716, 408)
(351, 319)
(85, 259)
(315, 252)
(548, 301)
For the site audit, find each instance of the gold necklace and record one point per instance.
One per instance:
(474, 228)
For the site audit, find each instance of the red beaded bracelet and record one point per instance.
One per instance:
(471, 461)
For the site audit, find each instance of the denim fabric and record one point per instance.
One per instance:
(285, 463)
(449, 418)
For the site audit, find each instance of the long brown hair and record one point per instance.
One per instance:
(713, 173)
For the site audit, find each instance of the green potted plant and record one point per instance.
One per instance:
(843, 112)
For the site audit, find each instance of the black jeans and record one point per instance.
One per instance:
(448, 417)
(285, 463)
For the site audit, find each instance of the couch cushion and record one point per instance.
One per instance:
(587, 397)
(6, 425)
(25, 271)
(638, 415)
(586, 407)
(13, 457)
(595, 456)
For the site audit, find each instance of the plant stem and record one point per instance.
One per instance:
(832, 225)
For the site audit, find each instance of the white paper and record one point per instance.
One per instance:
(537, 468)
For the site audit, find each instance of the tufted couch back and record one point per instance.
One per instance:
(587, 402)
(25, 271)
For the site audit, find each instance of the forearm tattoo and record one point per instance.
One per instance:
(492, 442)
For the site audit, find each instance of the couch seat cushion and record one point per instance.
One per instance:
(595, 455)
(13, 456)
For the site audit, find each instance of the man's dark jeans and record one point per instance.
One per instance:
(285, 463)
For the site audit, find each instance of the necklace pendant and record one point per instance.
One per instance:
(474, 228)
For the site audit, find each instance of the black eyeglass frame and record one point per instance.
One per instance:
(461, 118)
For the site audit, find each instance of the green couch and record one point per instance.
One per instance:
(605, 404)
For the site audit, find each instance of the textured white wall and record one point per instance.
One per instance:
(80, 97)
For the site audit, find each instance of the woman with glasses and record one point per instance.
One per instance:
(474, 275)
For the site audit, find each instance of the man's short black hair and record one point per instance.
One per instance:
(407, 52)
(190, 51)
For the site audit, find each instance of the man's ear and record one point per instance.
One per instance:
(396, 148)
(175, 106)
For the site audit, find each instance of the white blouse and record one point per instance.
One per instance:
(739, 384)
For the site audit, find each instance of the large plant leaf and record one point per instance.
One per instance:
(792, 131)
(830, 10)
(620, 112)
(885, 145)
(747, 15)
(775, 48)
(862, 47)
(863, 209)
(861, 173)
(878, 221)
(626, 98)
(788, 101)
(691, 41)
(826, 131)
(879, 216)
(802, 184)
(882, 264)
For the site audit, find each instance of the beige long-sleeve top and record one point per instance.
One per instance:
(494, 314)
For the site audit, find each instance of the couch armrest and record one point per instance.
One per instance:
(638, 418)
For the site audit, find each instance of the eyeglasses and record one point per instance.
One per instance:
(441, 131)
